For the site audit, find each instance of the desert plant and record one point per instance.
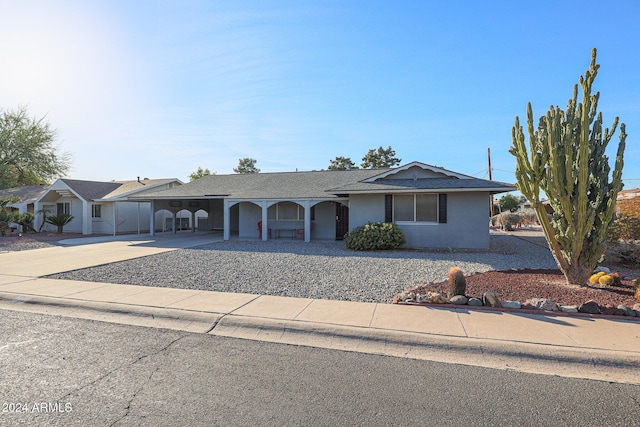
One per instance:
(595, 278)
(60, 221)
(606, 279)
(567, 161)
(26, 221)
(457, 283)
(7, 215)
(509, 220)
(375, 236)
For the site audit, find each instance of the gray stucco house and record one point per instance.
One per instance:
(97, 207)
(435, 207)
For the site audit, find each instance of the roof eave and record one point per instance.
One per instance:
(492, 190)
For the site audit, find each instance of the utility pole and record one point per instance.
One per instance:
(490, 179)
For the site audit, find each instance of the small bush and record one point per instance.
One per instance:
(509, 220)
(375, 236)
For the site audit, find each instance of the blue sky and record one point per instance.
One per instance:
(157, 88)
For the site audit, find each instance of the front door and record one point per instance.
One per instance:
(342, 220)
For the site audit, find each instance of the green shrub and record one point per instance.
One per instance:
(59, 221)
(375, 236)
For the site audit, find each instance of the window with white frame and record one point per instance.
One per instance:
(415, 207)
(96, 211)
(286, 211)
(63, 208)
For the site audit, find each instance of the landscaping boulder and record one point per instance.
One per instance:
(458, 300)
(475, 302)
(433, 298)
(511, 304)
(569, 308)
(628, 311)
(542, 304)
(490, 299)
(590, 307)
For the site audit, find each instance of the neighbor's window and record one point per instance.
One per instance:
(286, 211)
(415, 207)
(63, 208)
(96, 211)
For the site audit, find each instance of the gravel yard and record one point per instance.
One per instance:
(322, 270)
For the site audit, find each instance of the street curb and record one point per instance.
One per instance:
(565, 361)
(148, 316)
(573, 362)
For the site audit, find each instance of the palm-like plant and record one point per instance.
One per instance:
(59, 221)
(7, 216)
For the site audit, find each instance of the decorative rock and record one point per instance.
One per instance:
(600, 268)
(406, 296)
(433, 298)
(490, 299)
(628, 311)
(636, 307)
(542, 304)
(590, 307)
(458, 300)
(569, 308)
(511, 304)
(475, 302)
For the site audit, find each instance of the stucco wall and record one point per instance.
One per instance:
(249, 214)
(365, 208)
(467, 221)
(325, 221)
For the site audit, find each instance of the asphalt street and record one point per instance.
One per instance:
(73, 372)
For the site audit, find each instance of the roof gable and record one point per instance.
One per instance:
(417, 170)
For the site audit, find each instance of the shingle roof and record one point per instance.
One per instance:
(26, 194)
(382, 185)
(278, 185)
(95, 190)
(90, 190)
(316, 184)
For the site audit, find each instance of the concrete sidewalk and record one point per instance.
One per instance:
(582, 347)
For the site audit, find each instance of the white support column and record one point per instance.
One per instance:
(115, 218)
(86, 218)
(307, 220)
(225, 219)
(265, 223)
(152, 219)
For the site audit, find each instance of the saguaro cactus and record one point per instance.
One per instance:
(567, 161)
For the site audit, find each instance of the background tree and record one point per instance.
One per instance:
(380, 158)
(567, 161)
(28, 155)
(246, 165)
(508, 203)
(199, 173)
(341, 164)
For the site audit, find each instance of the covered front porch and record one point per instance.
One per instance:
(264, 219)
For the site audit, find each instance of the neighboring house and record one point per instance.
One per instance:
(27, 196)
(435, 207)
(628, 202)
(100, 207)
